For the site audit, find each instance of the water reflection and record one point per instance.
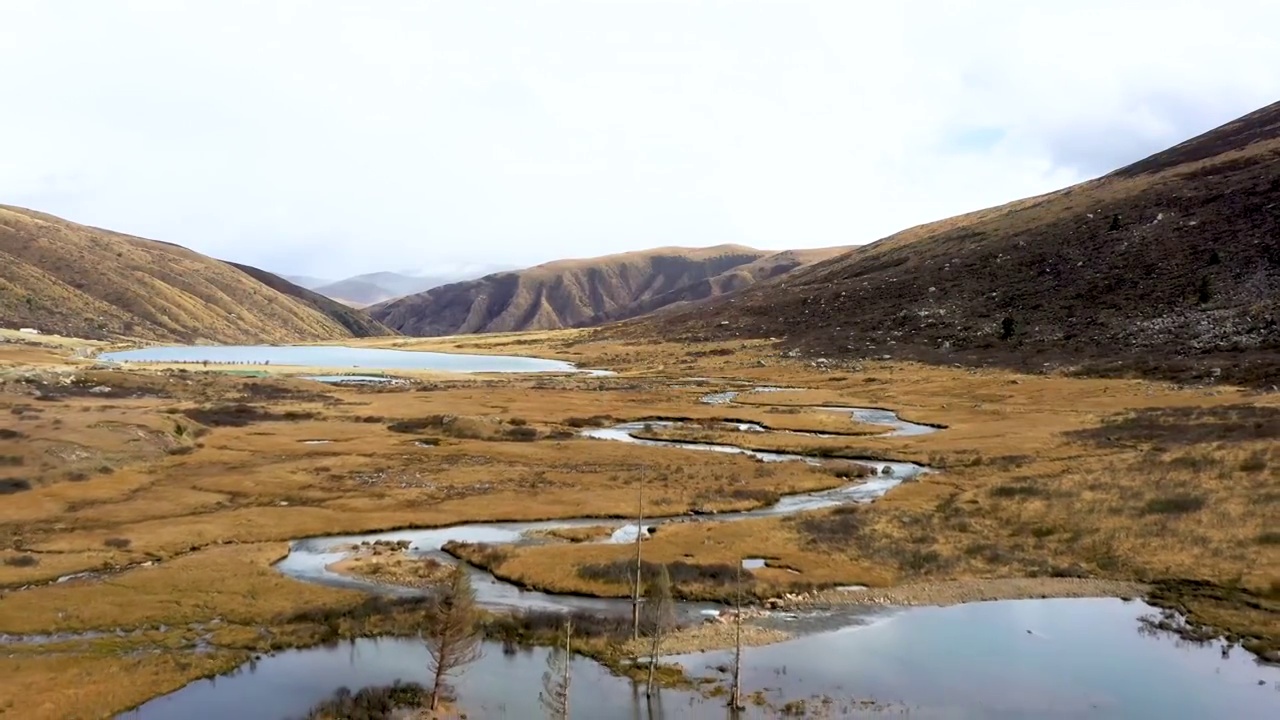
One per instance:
(1018, 659)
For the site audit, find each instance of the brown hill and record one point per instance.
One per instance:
(61, 277)
(571, 293)
(737, 278)
(1168, 267)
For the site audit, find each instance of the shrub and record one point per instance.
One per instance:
(680, 572)
(117, 543)
(1256, 462)
(7, 434)
(482, 555)
(531, 625)
(1204, 290)
(1270, 537)
(240, 415)
(1175, 504)
(918, 560)
(77, 476)
(522, 433)
(12, 486)
(11, 460)
(1008, 327)
(518, 421)
(371, 702)
(760, 496)
(593, 421)
(839, 526)
(1011, 490)
(451, 425)
(22, 561)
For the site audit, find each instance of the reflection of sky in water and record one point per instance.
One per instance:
(1080, 658)
(1083, 658)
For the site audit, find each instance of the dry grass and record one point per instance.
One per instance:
(589, 533)
(1028, 488)
(391, 566)
(62, 277)
(90, 686)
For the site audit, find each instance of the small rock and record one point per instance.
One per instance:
(100, 390)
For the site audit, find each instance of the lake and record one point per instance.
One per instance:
(337, 356)
(1072, 658)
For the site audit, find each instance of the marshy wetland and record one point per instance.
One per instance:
(196, 518)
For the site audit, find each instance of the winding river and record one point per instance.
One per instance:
(1011, 659)
(308, 559)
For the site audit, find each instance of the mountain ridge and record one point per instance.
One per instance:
(63, 277)
(1167, 267)
(579, 292)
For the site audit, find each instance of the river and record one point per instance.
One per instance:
(1010, 659)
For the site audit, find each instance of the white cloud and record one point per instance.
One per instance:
(332, 138)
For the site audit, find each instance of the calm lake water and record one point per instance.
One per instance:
(336, 356)
(1017, 659)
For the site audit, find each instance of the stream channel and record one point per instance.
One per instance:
(1063, 658)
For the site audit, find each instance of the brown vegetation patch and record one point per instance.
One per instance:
(241, 414)
(386, 563)
(1173, 426)
(588, 533)
(682, 573)
(10, 486)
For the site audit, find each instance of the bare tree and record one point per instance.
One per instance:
(555, 681)
(735, 697)
(660, 618)
(453, 631)
(635, 590)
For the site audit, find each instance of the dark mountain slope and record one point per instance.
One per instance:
(1169, 267)
(356, 322)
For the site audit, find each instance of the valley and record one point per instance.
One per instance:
(1018, 460)
(180, 490)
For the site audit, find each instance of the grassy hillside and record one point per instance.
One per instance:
(564, 293)
(737, 278)
(1168, 267)
(70, 279)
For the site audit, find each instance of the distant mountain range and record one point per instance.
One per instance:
(363, 290)
(586, 292)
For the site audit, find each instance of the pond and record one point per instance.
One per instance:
(1011, 659)
(336, 356)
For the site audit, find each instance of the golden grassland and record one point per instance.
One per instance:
(64, 277)
(152, 472)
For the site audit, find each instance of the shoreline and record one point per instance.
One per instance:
(941, 593)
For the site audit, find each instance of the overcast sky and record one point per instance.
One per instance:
(334, 137)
